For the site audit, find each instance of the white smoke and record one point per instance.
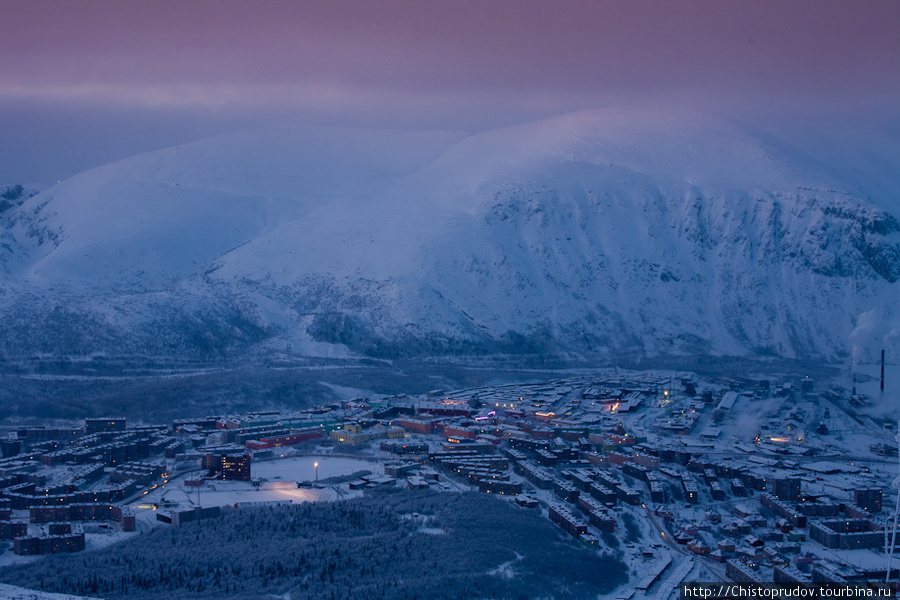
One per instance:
(876, 331)
(864, 339)
(892, 336)
(754, 415)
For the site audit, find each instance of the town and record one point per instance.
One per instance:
(692, 478)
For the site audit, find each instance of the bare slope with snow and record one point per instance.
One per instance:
(598, 233)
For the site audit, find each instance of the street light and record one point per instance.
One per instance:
(316, 465)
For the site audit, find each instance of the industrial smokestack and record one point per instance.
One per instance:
(882, 371)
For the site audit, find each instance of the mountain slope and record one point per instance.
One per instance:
(597, 234)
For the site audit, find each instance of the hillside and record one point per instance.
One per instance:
(606, 234)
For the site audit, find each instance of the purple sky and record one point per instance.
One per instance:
(82, 83)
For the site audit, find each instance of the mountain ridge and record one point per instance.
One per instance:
(591, 235)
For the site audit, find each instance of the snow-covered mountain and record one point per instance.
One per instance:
(600, 233)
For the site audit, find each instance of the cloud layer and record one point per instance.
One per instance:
(419, 63)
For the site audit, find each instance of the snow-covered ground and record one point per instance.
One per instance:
(303, 468)
(279, 484)
(96, 535)
(12, 592)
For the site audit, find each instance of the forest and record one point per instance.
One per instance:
(389, 544)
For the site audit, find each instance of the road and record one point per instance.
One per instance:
(713, 567)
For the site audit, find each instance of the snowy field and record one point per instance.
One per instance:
(11, 592)
(303, 468)
(229, 493)
(279, 484)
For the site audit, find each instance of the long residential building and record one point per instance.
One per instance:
(563, 517)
